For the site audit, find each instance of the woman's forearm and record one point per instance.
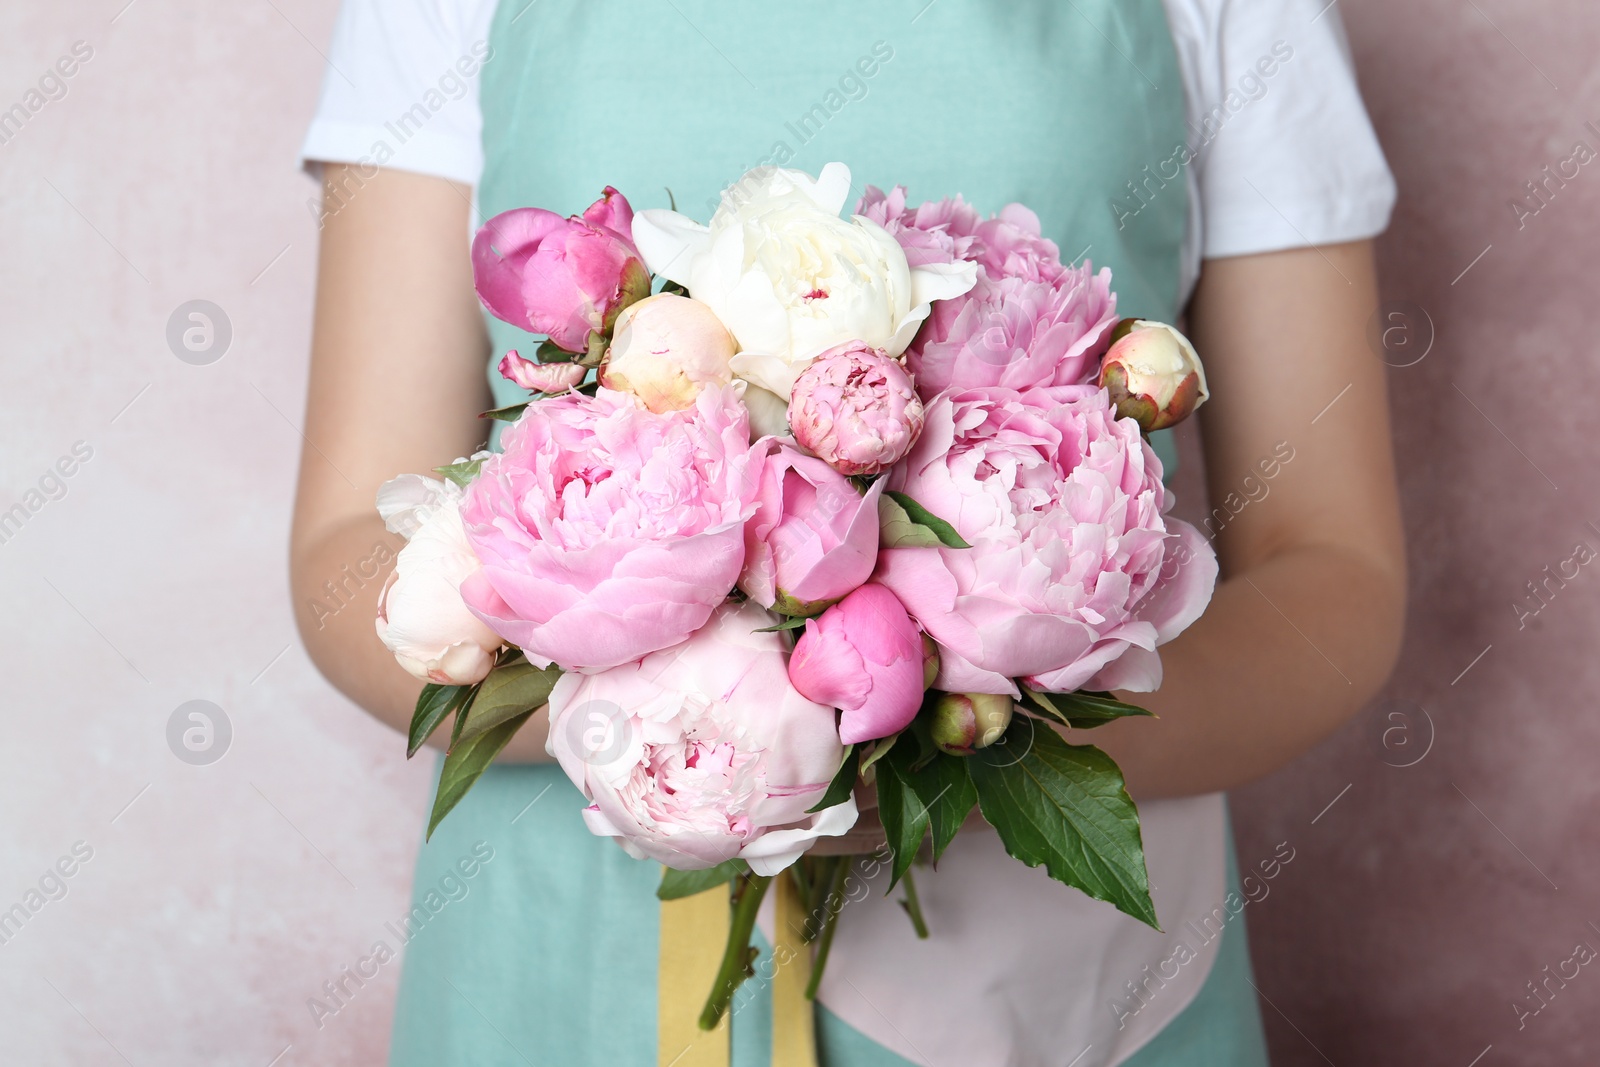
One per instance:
(1285, 654)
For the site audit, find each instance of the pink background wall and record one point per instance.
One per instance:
(218, 898)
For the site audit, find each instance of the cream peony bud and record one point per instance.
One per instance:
(966, 722)
(1152, 374)
(421, 616)
(667, 348)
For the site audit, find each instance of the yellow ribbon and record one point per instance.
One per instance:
(693, 933)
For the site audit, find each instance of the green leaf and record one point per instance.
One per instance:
(465, 763)
(844, 781)
(905, 817)
(510, 413)
(880, 749)
(923, 517)
(944, 786)
(787, 624)
(1064, 806)
(550, 352)
(675, 884)
(434, 705)
(896, 530)
(1083, 709)
(509, 691)
(461, 473)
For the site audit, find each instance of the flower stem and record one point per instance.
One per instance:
(816, 899)
(736, 957)
(913, 906)
(831, 908)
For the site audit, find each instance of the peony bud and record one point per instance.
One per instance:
(665, 350)
(1152, 374)
(421, 616)
(566, 278)
(855, 408)
(540, 377)
(966, 722)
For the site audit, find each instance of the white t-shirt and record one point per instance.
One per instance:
(1286, 155)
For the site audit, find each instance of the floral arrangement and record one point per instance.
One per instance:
(807, 511)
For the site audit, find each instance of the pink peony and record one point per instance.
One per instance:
(565, 278)
(1074, 575)
(702, 752)
(813, 537)
(935, 231)
(540, 377)
(1016, 332)
(607, 531)
(856, 408)
(864, 656)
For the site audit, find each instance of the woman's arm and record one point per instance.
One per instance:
(1306, 622)
(397, 380)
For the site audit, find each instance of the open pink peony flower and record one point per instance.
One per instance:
(702, 752)
(856, 408)
(863, 656)
(935, 231)
(813, 537)
(564, 278)
(607, 531)
(1017, 332)
(1074, 575)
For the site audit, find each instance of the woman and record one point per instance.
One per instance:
(1213, 153)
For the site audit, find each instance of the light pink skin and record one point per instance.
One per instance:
(540, 377)
(607, 531)
(1029, 321)
(856, 408)
(863, 656)
(702, 752)
(813, 537)
(560, 277)
(1074, 575)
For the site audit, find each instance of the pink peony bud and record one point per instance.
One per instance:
(863, 656)
(540, 377)
(966, 722)
(813, 537)
(665, 350)
(1152, 373)
(565, 278)
(856, 408)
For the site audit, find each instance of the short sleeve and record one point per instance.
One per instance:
(1285, 154)
(401, 87)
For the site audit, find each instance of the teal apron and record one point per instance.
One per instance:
(547, 956)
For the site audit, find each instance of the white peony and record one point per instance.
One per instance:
(790, 278)
(421, 616)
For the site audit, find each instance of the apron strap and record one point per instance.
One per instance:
(693, 933)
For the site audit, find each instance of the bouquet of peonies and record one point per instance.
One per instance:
(846, 503)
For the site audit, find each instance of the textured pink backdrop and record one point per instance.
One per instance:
(219, 898)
